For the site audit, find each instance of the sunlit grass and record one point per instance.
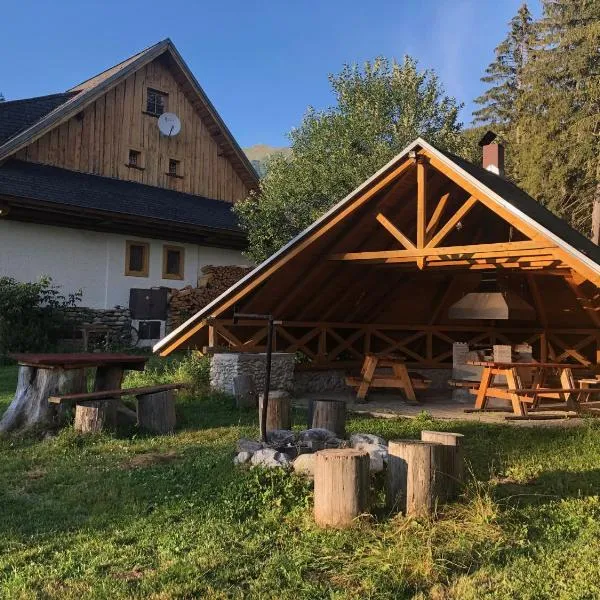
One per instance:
(136, 516)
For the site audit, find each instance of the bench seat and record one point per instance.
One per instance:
(115, 394)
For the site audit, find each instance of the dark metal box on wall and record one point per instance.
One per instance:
(148, 304)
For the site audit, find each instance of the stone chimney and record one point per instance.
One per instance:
(493, 154)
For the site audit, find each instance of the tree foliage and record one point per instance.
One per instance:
(380, 108)
(32, 315)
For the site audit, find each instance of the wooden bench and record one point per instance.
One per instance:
(463, 383)
(96, 410)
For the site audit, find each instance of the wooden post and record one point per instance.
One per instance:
(156, 412)
(329, 414)
(279, 411)
(93, 416)
(452, 470)
(341, 486)
(412, 476)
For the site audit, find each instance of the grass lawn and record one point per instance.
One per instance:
(170, 517)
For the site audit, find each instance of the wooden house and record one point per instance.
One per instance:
(95, 193)
(395, 265)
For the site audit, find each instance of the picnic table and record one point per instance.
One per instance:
(526, 383)
(398, 377)
(44, 375)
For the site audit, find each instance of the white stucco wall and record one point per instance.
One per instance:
(94, 261)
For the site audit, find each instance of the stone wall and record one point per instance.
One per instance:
(118, 321)
(225, 366)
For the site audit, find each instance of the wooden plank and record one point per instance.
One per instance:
(116, 393)
(421, 207)
(436, 216)
(395, 232)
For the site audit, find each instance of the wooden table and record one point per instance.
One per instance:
(538, 374)
(398, 378)
(44, 375)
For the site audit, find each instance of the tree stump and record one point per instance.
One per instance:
(341, 486)
(30, 406)
(156, 412)
(279, 410)
(93, 416)
(328, 414)
(452, 469)
(245, 392)
(412, 476)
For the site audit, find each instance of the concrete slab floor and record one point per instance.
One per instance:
(440, 405)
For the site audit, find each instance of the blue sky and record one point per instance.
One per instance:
(261, 63)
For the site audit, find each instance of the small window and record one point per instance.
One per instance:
(134, 158)
(173, 262)
(136, 259)
(173, 167)
(156, 102)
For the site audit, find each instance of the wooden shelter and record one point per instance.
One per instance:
(380, 270)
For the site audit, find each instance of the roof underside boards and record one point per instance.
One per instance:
(301, 283)
(19, 179)
(18, 115)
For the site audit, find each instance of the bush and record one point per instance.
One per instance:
(32, 315)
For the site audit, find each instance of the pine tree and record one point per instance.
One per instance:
(505, 74)
(558, 111)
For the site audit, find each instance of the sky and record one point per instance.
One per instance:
(261, 63)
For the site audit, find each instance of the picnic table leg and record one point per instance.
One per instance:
(484, 384)
(539, 379)
(401, 373)
(514, 382)
(567, 381)
(369, 366)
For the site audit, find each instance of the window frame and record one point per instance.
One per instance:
(140, 165)
(146, 259)
(180, 167)
(177, 276)
(165, 101)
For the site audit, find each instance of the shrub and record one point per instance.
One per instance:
(32, 315)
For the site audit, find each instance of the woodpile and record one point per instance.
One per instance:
(214, 281)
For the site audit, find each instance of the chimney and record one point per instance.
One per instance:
(493, 154)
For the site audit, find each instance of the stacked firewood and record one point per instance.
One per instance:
(214, 281)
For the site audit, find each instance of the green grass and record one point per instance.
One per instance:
(169, 517)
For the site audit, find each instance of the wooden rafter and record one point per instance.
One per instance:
(436, 216)
(395, 232)
(584, 300)
(421, 207)
(452, 222)
(537, 300)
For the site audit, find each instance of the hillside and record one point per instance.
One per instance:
(260, 153)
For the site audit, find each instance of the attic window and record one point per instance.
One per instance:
(175, 168)
(134, 158)
(156, 102)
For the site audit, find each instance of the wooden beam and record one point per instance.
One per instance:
(537, 300)
(501, 249)
(436, 216)
(452, 221)
(587, 303)
(396, 233)
(421, 206)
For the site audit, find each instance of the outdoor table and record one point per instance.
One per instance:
(398, 378)
(514, 372)
(43, 375)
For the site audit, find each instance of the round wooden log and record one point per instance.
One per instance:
(245, 392)
(341, 486)
(412, 476)
(156, 412)
(93, 416)
(279, 410)
(329, 414)
(30, 407)
(452, 469)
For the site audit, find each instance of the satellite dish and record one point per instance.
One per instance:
(169, 124)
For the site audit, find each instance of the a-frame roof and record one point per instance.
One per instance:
(502, 197)
(78, 97)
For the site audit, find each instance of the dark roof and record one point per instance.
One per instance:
(522, 201)
(52, 184)
(18, 115)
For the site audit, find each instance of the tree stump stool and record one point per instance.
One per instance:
(412, 479)
(341, 486)
(93, 416)
(279, 410)
(328, 414)
(156, 412)
(245, 392)
(452, 468)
